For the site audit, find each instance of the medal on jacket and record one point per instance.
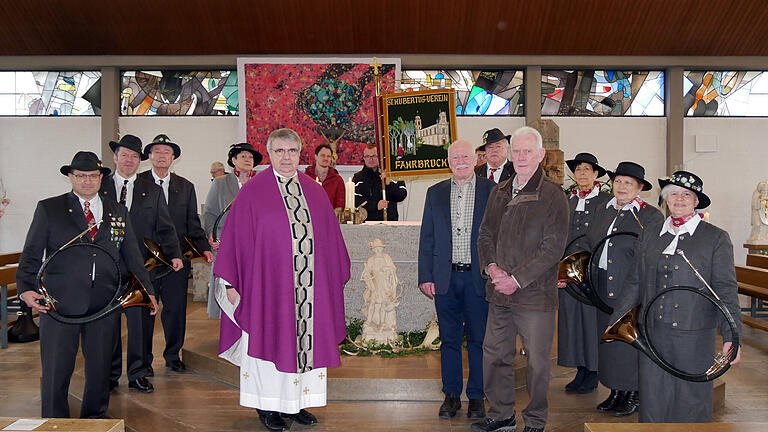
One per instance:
(116, 230)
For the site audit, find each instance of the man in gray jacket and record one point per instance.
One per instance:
(520, 243)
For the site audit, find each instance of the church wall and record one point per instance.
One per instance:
(32, 149)
(613, 140)
(731, 173)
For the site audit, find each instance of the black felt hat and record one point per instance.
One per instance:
(234, 149)
(585, 158)
(633, 170)
(689, 181)
(131, 142)
(85, 161)
(164, 140)
(493, 135)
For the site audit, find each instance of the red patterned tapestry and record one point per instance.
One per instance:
(324, 103)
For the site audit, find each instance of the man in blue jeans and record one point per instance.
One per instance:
(449, 274)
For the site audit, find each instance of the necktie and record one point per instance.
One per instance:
(124, 192)
(90, 220)
(493, 176)
(160, 182)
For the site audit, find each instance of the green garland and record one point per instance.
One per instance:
(407, 343)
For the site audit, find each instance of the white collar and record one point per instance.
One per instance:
(614, 202)
(470, 181)
(165, 179)
(280, 176)
(121, 180)
(688, 227)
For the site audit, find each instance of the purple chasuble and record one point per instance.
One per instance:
(256, 257)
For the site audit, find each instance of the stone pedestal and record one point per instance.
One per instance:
(201, 273)
(402, 240)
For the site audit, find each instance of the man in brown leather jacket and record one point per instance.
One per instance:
(520, 243)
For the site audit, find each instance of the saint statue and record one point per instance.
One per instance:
(759, 219)
(381, 296)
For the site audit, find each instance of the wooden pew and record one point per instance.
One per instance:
(753, 282)
(8, 265)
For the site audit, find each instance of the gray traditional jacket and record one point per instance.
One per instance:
(710, 251)
(223, 191)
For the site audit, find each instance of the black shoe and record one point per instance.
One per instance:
(142, 384)
(150, 371)
(476, 409)
(113, 385)
(613, 399)
(577, 380)
(533, 429)
(589, 383)
(177, 366)
(628, 405)
(272, 421)
(450, 405)
(302, 417)
(491, 425)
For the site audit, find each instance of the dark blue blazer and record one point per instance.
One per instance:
(435, 242)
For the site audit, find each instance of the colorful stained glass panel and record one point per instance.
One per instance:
(602, 93)
(174, 92)
(725, 93)
(478, 92)
(50, 93)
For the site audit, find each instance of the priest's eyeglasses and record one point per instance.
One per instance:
(291, 151)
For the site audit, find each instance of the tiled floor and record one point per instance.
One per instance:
(191, 402)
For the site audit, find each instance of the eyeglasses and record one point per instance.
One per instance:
(371, 157)
(81, 177)
(291, 151)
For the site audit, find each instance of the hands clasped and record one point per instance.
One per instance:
(502, 281)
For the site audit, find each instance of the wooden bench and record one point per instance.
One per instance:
(8, 265)
(752, 281)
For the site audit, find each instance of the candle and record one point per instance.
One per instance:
(349, 194)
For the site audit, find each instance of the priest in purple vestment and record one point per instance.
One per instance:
(282, 265)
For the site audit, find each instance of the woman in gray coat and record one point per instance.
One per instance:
(626, 212)
(683, 326)
(242, 157)
(576, 322)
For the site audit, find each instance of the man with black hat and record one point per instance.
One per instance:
(56, 222)
(497, 167)
(577, 322)
(151, 220)
(179, 193)
(242, 157)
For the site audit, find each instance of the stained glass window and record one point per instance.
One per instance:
(478, 92)
(174, 92)
(50, 93)
(725, 93)
(602, 93)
